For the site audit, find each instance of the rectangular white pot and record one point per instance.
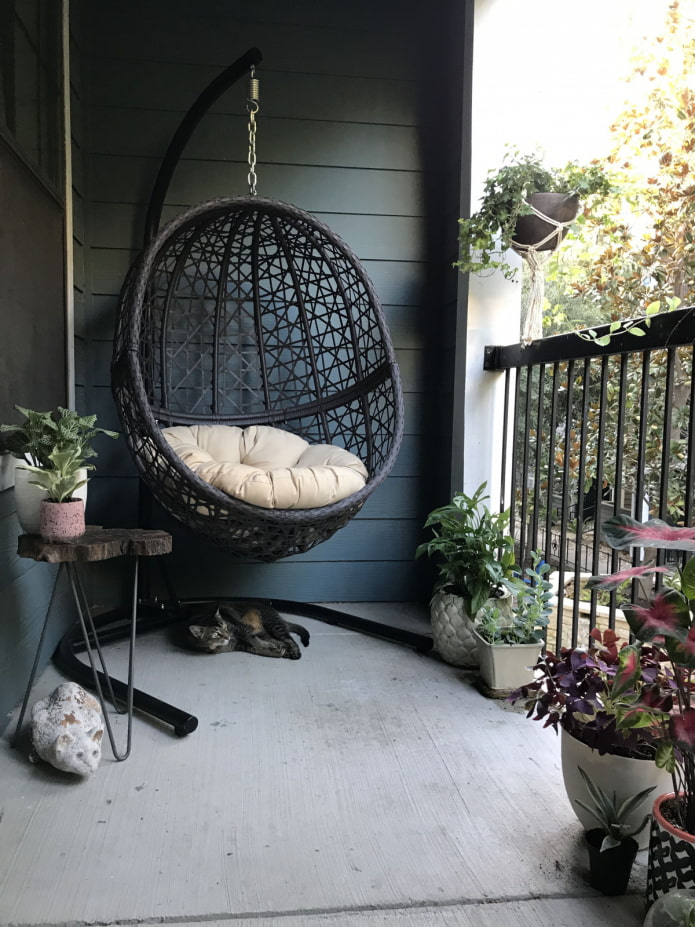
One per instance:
(506, 666)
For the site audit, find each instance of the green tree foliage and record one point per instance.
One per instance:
(636, 248)
(634, 255)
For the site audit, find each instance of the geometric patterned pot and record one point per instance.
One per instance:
(452, 630)
(671, 855)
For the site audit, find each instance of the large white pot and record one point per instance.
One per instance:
(623, 775)
(505, 667)
(452, 630)
(28, 498)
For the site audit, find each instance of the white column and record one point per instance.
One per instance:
(491, 313)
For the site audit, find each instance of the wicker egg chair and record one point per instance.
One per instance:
(248, 311)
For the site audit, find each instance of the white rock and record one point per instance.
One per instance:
(67, 728)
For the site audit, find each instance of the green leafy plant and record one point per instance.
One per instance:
(525, 621)
(55, 446)
(43, 432)
(63, 477)
(612, 818)
(473, 546)
(487, 234)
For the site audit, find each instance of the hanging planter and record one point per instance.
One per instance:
(548, 223)
(535, 238)
(671, 853)
(526, 207)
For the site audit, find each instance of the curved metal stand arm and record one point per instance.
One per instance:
(212, 92)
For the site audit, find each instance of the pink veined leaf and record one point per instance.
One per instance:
(611, 582)
(628, 672)
(660, 615)
(621, 531)
(683, 728)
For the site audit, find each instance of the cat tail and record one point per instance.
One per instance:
(301, 632)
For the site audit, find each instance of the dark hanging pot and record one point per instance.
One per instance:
(610, 870)
(531, 230)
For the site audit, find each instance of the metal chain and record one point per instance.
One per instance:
(252, 107)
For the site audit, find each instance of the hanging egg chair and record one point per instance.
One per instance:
(249, 314)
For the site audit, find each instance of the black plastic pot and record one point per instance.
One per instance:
(610, 870)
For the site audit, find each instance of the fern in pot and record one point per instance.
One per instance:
(474, 553)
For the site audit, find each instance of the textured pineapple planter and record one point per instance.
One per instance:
(452, 630)
(623, 775)
(505, 667)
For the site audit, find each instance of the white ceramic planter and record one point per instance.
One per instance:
(28, 498)
(506, 666)
(452, 630)
(620, 774)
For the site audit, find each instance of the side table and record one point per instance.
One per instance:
(95, 544)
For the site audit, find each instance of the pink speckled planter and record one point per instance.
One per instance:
(62, 521)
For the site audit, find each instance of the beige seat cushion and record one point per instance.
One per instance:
(267, 466)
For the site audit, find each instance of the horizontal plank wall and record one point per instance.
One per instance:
(343, 133)
(26, 587)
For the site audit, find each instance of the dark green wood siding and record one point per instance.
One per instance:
(345, 132)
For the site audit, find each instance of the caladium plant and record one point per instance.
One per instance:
(664, 616)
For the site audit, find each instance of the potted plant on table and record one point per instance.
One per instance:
(581, 693)
(509, 641)
(53, 449)
(475, 555)
(665, 612)
(612, 847)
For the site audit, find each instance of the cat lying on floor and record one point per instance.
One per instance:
(251, 627)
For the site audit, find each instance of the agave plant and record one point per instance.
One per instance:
(612, 818)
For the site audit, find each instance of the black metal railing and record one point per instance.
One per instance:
(590, 431)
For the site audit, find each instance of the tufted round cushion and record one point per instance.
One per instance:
(267, 466)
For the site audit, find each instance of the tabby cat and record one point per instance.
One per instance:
(252, 627)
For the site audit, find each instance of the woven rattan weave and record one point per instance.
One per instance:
(243, 311)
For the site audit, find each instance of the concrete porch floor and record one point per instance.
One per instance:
(362, 785)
